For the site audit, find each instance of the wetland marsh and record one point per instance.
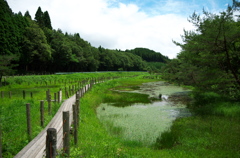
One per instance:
(143, 123)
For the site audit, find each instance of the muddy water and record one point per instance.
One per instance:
(145, 122)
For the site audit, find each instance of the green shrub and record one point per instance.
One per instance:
(166, 140)
(210, 103)
(204, 98)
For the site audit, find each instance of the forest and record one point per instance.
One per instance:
(31, 46)
(210, 55)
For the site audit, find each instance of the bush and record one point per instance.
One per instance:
(204, 98)
(210, 103)
(167, 140)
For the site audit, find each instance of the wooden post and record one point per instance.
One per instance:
(66, 134)
(80, 93)
(55, 97)
(75, 124)
(47, 94)
(49, 105)
(77, 95)
(29, 128)
(31, 94)
(59, 96)
(83, 91)
(51, 143)
(78, 110)
(69, 90)
(42, 113)
(73, 89)
(0, 140)
(67, 94)
(24, 94)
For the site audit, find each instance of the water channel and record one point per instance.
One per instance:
(145, 122)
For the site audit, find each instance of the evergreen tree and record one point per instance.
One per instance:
(8, 30)
(36, 51)
(39, 17)
(27, 15)
(47, 20)
(210, 55)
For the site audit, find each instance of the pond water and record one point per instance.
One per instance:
(145, 122)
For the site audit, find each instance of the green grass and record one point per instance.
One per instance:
(196, 136)
(214, 130)
(13, 111)
(212, 135)
(122, 99)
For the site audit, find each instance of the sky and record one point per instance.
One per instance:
(123, 24)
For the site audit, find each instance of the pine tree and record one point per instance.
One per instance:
(27, 15)
(39, 17)
(46, 20)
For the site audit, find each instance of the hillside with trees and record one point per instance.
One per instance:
(31, 45)
(155, 61)
(210, 55)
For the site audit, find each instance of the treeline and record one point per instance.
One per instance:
(149, 55)
(32, 45)
(210, 55)
(155, 61)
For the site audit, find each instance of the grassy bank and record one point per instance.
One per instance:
(215, 134)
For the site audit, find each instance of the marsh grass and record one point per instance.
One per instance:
(195, 136)
(122, 99)
(127, 88)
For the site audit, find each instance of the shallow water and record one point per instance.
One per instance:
(145, 122)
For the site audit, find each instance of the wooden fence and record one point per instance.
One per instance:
(38, 147)
(66, 115)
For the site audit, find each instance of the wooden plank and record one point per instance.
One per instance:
(36, 148)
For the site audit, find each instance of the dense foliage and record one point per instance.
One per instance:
(32, 45)
(149, 55)
(210, 55)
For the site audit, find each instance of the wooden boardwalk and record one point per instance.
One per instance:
(36, 148)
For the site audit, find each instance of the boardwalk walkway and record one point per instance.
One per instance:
(36, 148)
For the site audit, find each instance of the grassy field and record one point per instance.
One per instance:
(13, 110)
(213, 134)
(213, 131)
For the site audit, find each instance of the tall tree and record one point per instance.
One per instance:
(47, 20)
(27, 15)
(37, 52)
(39, 17)
(210, 54)
(8, 30)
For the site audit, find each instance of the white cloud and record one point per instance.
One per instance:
(121, 26)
